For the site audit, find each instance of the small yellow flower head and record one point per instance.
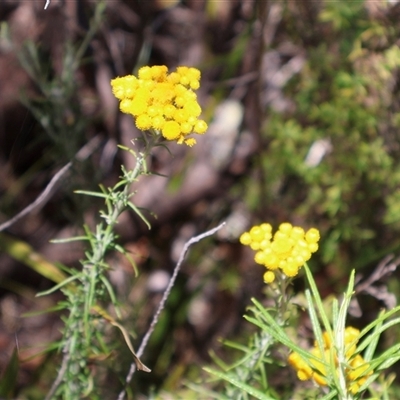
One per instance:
(286, 251)
(304, 371)
(319, 379)
(356, 368)
(171, 130)
(269, 277)
(165, 103)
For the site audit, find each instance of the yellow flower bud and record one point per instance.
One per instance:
(312, 235)
(260, 257)
(245, 238)
(269, 277)
(144, 73)
(171, 130)
(200, 127)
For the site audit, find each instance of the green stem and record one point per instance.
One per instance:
(246, 371)
(81, 326)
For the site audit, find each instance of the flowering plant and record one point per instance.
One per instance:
(356, 369)
(165, 108)
(342, 363)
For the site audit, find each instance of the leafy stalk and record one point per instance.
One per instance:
(92, 286)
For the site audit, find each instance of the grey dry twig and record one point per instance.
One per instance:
(165, 296)
(42, 199)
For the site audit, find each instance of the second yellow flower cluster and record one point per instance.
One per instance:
(162, 102)
(355, 368)
(287, 250)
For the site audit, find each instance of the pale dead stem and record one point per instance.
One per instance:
(42, 199)
(161, 306)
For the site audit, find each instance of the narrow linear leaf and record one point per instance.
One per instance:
(377, 332)
(93, 194)
(111, 293)
(60, 285)
(208, 394)
(246, 388)
(71, 239)
(129, 258)
(370, 351)
(139, 213)
(317, 299)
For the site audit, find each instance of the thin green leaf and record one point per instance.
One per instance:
(386, 359)
(60, 306)
(384, 315)
(139, 213)
(317, 300)
(158, 174)
(338, 351)
(246, 388)
(331, 395)
(93, 194)
(368, 382)
(315, 322)
(335, 311)
(276, 331)
(49, 348)
(129, 258)
(377, 332)
(71, 239)
(60, 285)
(128, 149)
(235, 345)
(89, 299)
(111, 293)
(218, 361)
(370, 351)
(243, 361)
(340, 325)
(208, 394)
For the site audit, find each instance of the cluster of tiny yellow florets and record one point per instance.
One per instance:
(287, 250)
(355, 368)
(162, 102)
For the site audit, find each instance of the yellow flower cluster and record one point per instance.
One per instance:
(355, 368)
(287, 250)
(162, 102)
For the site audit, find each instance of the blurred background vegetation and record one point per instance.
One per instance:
(302, 100)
